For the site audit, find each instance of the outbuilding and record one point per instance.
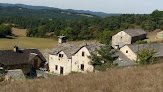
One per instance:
(160, 35)
(127, 36)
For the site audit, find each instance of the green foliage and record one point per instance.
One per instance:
(140, 42)
(106, 36)
(86, 28)
(2, 77)
(37, 32)
(104, 59)
(146, 56)
(74, 72)
(5, 30)
(38, 13)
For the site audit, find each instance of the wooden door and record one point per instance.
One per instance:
(36, 63)
(61, 70)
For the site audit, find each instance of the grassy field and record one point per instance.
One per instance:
(152, 36)
(29, 42)
(19, 32)
(130, 79)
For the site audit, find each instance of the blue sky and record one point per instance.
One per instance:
(107, 6)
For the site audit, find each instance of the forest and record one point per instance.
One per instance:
(85, 28)
(40, 13)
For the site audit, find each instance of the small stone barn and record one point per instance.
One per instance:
(127, 36)
(25, 59)
(160, 35)
(131, 50)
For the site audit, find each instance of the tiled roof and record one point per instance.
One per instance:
(71, 49)
(10, 57)
(157, 46)
(135, 32)
(123, 60)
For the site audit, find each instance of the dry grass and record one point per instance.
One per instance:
(152, 36)
(19, 32)
(131, 79)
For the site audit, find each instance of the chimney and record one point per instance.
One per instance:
(62, 39)
(16, 48)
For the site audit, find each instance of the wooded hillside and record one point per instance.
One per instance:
(85, 28)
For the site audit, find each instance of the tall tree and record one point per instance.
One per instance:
(104, 58)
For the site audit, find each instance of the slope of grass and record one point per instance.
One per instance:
(30, 42)
(131, 79)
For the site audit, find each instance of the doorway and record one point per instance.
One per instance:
(61, 70)
(35, 63)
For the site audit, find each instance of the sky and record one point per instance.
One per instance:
(107, 6)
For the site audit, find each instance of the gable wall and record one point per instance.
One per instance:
(131, 55)
(61, 62)
(78, 59)
(116, 39)
(39, 62)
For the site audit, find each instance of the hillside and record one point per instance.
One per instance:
(100, 14)
(130, 79)
(40, 13)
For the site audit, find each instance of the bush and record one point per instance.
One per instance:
(2, 77)
(140, 42)
(104, 59)
(5, 30)
(146, 56)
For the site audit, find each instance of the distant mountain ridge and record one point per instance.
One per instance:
(38, 11)
(100, 14)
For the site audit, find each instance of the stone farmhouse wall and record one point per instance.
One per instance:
(76, 63)
(128, 52)
(56, 62)
(121, 38)
(78, 60)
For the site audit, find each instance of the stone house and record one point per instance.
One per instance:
(127, 36)
(131, 50)
(25, 59)
(160, 35)
(66, 57)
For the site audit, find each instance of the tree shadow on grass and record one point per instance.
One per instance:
(10, 38)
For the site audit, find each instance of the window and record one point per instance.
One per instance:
(60, 55)
(126, 51)
(56, 67)
(83, 54)
(82, 67)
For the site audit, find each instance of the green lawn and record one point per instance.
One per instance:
(30, 42)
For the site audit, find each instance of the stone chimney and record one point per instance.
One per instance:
(62, 39)
(16, 48)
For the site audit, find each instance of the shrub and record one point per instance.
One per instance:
(146, 56)
(140, 42)
(104, 59)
